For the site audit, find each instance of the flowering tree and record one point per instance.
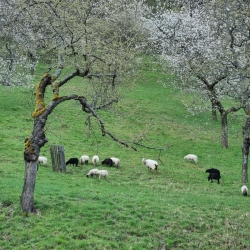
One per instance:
(231, 22)
(93, 39)
(188, 43)
(16, 63)
(210, 52)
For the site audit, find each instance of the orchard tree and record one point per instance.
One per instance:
(93, 39)
(188, 43)
(209, 50)
(231, 23)
(16, 63)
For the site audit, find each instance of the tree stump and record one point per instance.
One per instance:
(57, 158)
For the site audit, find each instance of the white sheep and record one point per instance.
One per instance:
(116, 161)
(103, 173)
(42, 159)
(244, 190)
(150, 164)
(84, 159)
(191, 157)
(92, 172)
(95, 160)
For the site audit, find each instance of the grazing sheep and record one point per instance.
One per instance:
(84, 159)
(73, 161)
(214, 176)
(191, 157)
(103, 173)
(92, 172)
(244, 190)
(108, 162)
(150, 164)
(116, 161)
(213, 170)
(42, 159)
(95, 160)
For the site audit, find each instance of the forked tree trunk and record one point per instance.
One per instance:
(245, 149)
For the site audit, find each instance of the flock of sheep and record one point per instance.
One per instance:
(214, 174)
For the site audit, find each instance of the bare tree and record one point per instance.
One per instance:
(95, 39)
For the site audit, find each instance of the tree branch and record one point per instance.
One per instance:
(121, 142)
(148, 147)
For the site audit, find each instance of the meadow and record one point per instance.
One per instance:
(133, 209)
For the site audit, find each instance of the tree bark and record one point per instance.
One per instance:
(33, 145)
(224, 130)
(245, 149)
(27, 197)
(214, 113)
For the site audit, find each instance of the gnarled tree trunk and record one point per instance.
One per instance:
(33, 145)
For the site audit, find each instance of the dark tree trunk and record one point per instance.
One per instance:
(245, 150)
(33, 62)
(214, 108)
(10, 66)
(33, 145)
(224, 130)
(31, 153)
(27, 197)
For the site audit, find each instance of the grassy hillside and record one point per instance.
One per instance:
(134, 209)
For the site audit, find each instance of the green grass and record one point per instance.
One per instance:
(133, 209)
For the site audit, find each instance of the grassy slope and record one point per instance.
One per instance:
(133, 209)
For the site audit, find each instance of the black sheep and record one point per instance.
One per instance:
(214, 176)
(213, 170)
(73, 161)
(108, 161)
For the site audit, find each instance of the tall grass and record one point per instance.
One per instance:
(134, 208)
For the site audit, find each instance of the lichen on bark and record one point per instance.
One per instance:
(55, 89)
(40, 89)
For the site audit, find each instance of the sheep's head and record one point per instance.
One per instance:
(144, 160)
(244, 190)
